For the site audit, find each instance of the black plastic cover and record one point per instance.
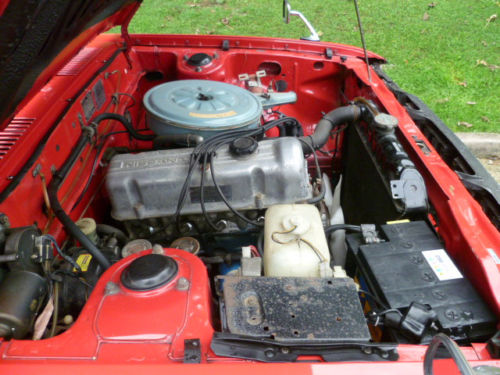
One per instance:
(293, 309)
(192, 351)
(21, 241)
(199, 59)
(418, 319)
(149, 272)
(21, 294)
(412, 266)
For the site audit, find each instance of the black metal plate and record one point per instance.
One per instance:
(192, 351)
(293, 308)
(268, 350)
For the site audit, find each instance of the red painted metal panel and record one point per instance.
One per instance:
(127, 332)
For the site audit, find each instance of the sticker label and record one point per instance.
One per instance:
(442, 265)
(83, 261)
(212, 115)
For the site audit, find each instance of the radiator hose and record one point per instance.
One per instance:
(332, 119)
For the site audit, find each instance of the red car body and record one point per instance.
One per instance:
(145, 332)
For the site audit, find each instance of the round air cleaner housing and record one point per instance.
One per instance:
(200, 107)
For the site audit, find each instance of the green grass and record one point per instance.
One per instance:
(432, 47)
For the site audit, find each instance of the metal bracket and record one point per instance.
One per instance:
(397, 189)
(80, 120)
(192, 351)
(260, 74)
(37, 170)
(268, 350)
(329, 53)
(370, 234)
(410, 190)
(243, 77)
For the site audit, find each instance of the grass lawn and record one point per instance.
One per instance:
(447, 52)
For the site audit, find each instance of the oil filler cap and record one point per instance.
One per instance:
(149, 272)
(243, 146)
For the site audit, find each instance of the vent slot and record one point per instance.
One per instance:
(79, 62)
(12, 133)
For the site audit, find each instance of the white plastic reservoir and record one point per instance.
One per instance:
(294, 242)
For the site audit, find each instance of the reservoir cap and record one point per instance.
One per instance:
(149, 272)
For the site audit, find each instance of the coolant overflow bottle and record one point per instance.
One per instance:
(296, 225)
(294, 242)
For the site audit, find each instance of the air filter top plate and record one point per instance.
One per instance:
(200, 107)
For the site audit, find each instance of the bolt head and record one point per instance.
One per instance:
(183, 284)
(367, 350)
(269, 353)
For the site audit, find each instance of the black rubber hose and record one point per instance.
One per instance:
(188, 140)
(456, 354)
(348, 227)
(108, 229)
(59, 212)
(332, 119)
(126, 124)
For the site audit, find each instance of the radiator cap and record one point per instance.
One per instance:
(149, 272)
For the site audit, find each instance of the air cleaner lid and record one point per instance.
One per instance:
(203, 105)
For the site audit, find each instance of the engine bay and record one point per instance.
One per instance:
(236, 204)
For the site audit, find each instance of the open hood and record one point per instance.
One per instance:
(37, 37)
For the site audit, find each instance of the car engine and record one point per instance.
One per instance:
(243, 174)
(232, 208)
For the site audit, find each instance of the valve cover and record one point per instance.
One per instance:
(148, 184)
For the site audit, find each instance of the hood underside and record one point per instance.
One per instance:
(37, 37)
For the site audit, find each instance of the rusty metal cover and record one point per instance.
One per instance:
(293, 308)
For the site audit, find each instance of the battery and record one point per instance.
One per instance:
(411, 265)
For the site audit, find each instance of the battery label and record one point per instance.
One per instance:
(442, 265)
